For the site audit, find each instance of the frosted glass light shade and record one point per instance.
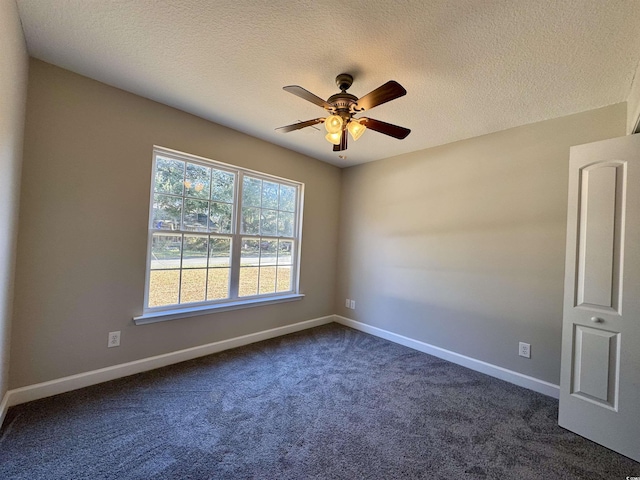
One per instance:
(334, 138)
(356, 129)
(333, 124)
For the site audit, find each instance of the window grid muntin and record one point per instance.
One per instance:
(184, 197)
(235, 235)
(181, 266)
(276, 265)
(278, 210)
(277, 237)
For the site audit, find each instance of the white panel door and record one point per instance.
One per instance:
(600, 376)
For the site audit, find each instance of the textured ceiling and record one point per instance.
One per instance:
(470, 67)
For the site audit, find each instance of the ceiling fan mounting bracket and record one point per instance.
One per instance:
(344, 81)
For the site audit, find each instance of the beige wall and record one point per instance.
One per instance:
(13, 90)
(82, 238)
(462, 246)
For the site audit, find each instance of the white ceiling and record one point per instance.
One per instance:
(470, 67)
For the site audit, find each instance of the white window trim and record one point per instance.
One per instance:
(170, 312)
(163, 316)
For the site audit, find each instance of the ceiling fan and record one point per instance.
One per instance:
(342, 107)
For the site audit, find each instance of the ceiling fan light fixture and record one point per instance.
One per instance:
(341, 107)
(334, 137)
(356, 129)
(333, 124)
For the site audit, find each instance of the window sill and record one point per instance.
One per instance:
(166, 315)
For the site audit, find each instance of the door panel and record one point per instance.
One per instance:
(600, 198)
(600, 372)
(595, 368)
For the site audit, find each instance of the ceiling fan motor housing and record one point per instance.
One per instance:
(343, 103)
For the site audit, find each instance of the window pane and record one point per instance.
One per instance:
(251, 220)
(269, 222)
(222, 186)
(267, 280)
(287, 198)
(169, 176)
(197, 181)
(195, 215)
(250, 252)
(195, 251)
(193, 285)
(284, 279)
(285, 252)
(218, 283)
(268, 252)
(220, 217)
(163, 287)
(285, 224)
(219, 252)
(165, 251)
(269, 195)
(251, 191)
(248, 281)
(167, 212)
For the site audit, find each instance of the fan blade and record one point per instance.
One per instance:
(307, 95)
(387, 128)
(343, 143)
(298, 126)
(387, 92)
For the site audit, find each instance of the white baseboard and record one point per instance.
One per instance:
(73, 382)
(516, 378)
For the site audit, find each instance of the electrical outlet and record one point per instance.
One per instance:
(353, 305)
(525, 350)
(347, 303)
(114, 339)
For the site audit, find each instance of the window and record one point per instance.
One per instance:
(219, 235)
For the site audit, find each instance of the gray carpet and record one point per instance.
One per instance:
(329, 402)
